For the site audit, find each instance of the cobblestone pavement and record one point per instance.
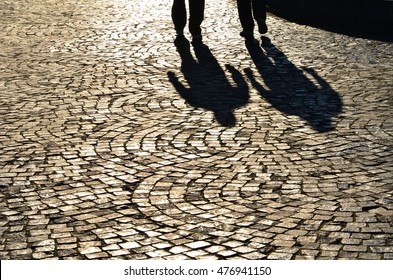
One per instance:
(117, 142)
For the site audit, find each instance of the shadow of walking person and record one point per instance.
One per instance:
(293, 91)
(208, 87)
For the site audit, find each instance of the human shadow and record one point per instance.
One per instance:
(208, 86)
(293, 91)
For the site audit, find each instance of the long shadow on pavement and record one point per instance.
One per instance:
(291, 90)
(208, 87)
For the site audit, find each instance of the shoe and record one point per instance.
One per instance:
(196, 39)
(249, 36)
(262, 27)
(265, 41)
(180, 39)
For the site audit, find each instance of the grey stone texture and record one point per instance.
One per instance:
(117, 143)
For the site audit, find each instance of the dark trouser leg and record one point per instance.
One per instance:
(245, 15)
(179, 15)
(259, 9)
(259, 12)
(197, 8)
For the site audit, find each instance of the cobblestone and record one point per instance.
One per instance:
(118, 142)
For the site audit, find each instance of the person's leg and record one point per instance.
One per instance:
(245, 15)
(197, 9)
(259, 12)
(179, 15)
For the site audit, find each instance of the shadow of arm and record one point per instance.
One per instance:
(176, 83)
(318, 78)
(254, 82)
(330, 98)
(237, 78)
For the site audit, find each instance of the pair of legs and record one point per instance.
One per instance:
(250, 10)
(179, 16)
